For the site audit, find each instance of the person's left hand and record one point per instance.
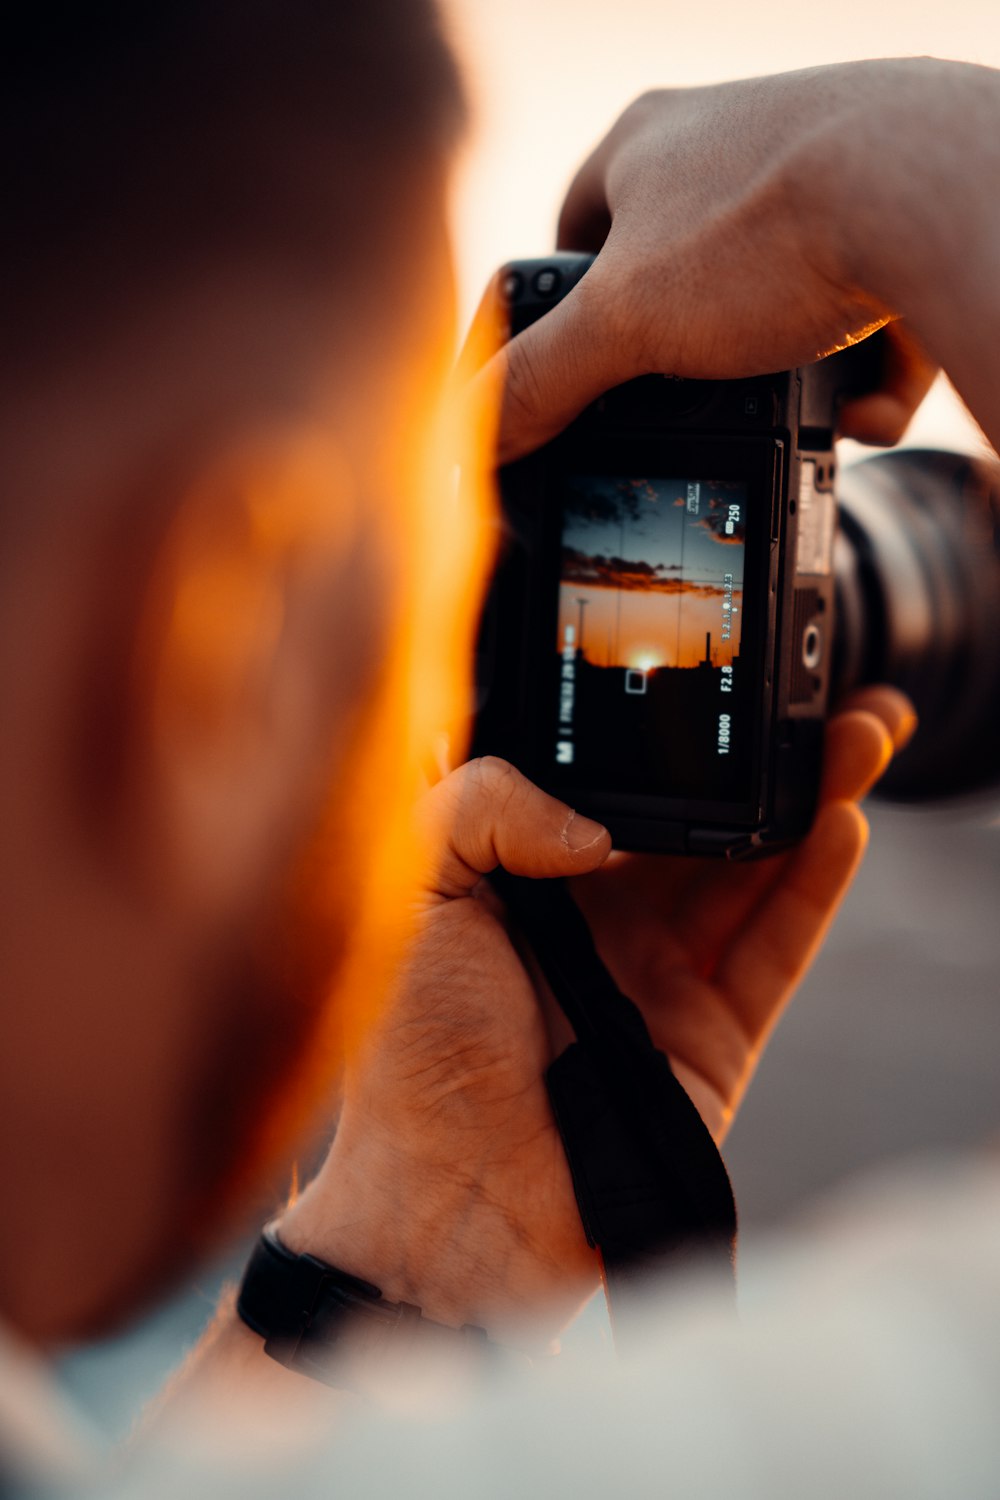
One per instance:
(713, 950)
(447, 1184)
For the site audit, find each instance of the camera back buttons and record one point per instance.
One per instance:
(547, 282)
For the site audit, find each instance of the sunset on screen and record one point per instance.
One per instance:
(652, 571)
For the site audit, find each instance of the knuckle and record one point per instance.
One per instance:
(650, 101)
(495, 777)
(648, 112)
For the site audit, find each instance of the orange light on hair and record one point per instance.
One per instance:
(443, 546)
(449, 548)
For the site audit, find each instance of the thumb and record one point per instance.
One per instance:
(558, 365)
(487, 814)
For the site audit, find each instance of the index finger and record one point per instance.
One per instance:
(781, 935)
(857, 749)
(578, 350)
(861, 739)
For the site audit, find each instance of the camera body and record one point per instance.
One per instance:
(656, 646)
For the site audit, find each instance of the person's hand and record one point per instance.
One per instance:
(712, 951)
(447, 1184)
(722, 250)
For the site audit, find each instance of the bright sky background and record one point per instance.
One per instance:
(549, 76)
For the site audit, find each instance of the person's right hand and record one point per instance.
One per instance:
(719, 252)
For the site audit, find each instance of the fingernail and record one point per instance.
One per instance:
(582, 833)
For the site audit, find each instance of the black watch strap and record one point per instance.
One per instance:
(334, 1327)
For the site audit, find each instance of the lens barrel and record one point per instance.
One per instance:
(917, 565)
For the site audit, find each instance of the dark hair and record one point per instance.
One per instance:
(138, 136)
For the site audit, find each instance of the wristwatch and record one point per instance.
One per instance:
(334, 1327)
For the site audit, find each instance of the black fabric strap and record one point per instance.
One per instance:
(652, 1189)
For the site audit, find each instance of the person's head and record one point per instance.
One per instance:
(227, 309)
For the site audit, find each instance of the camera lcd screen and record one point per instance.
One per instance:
(651, 700)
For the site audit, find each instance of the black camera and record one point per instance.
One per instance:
(658, 646)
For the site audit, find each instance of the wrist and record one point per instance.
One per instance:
(440, 1239)
(229, 1395)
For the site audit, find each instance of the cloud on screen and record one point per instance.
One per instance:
(598, 572)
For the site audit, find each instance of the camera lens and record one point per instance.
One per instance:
(918, 605)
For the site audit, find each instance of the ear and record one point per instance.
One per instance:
(236, 628)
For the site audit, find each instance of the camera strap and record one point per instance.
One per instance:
(653, 1192)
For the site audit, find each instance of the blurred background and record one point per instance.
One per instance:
(893, 1045)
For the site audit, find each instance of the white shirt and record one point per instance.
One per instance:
(865, 1362)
